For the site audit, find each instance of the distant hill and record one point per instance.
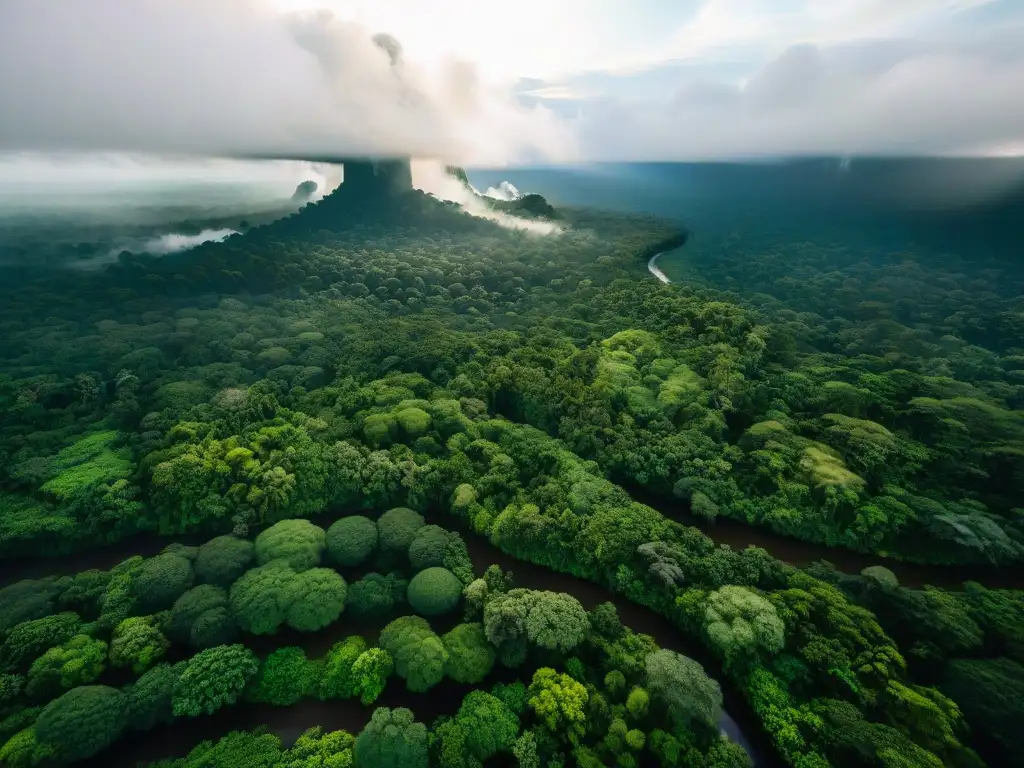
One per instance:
(304, 191)
(531, 206)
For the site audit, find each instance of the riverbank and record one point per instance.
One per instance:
(175, 739)
(723, 531)
(740, 535)
(737, 721)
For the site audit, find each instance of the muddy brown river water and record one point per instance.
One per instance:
(177, 738)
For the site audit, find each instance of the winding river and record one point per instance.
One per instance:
(734, 533)
(636, 617)
(652, 267)
(288, 723)
(177, 738)
(740, 535)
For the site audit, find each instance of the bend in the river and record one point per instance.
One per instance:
(723, 530)
(652, 267)
(740, 535)
(175, 739)
(638, 618)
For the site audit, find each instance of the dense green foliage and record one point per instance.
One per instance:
(223, 559)
(161, 580)
(742, 623)
(202, 617)
(137, 643)
(29, 639)
(434, 547)
(688, 694)
(559, 701)
(375, 595)
(151, 698)
(434, 591)
(989, 693)
(548, 619)
(392, 739)
(833, 432)
(434, 366)
(284, 677)
(482, 727)
(258, 749)
(212, 679)
(270, 595)
(418, 653)
(337, 680)
(77, 662)
(351, 540)
(299, 543)
(82, 721)
(370, 674)
(470, 656)
(396, 530)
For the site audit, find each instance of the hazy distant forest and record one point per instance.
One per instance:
(466, 491)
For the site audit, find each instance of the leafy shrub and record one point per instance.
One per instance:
(212, 679)
(397, 528)
(351, 540)
(374, 595)
(433, 546)
(284, 677)
(31, 638)
(223, 559)
(392, 739)
(272, 594)
(418, 653)
(336, 678)
(470, 656)
(161, 580)
(26, 600)
(434, 592)
(202, 618)
(682, 687)
(298, 543)
(76, 662)
(989, 692)
(150, 698)
(138, 644)
(370, 674)
(82, 722)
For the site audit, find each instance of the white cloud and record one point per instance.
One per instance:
(173, 242)
(431, 177)
(747, 77)
(947, 94)
(235, 77)
(759, 28)
(505, 190)
(526, 38)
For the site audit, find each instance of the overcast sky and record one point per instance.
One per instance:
(477, 81)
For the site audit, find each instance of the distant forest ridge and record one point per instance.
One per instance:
(975, 206)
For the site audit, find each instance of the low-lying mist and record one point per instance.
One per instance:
(432, 177)
(120, 187)
(83, 210)
(975, 206)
